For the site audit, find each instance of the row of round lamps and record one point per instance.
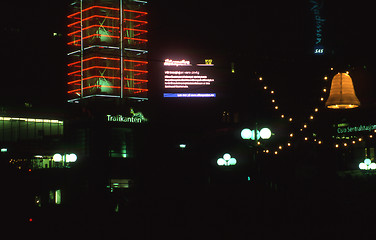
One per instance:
(69, 158)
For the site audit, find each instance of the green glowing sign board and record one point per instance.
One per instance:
(359, 128)
(135, 117)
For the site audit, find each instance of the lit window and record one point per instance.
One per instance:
(58, 196)
(120, 183)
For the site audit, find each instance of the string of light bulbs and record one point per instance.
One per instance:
(301, 131)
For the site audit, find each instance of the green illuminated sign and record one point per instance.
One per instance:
(136, 117)
(360, 128)
(319, 22)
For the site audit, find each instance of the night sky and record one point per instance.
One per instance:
(240, 30)
(272, 39)
(262, 27)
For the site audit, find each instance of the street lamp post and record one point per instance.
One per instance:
(263, 133)
(254, 136)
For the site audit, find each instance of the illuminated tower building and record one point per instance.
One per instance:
(107, 57)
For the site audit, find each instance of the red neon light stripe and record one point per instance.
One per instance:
(93, 67)
(136, 61)
(92, 7)
(138, 89)
(136, 80)
(101, 35)
(102, 26)
(136, 30)
(107, 58)
(135, 70)
(133, 20)
(88, 59)
(102, 86)
(133, 11)
(109, 68)
(100, 16)
(93, 35)
(76, 81)
(135, 89)
(94, 16)
(136, 39)
(108, 77)
(76, 90)
(109, 8)
(87, 78)
(92, 26)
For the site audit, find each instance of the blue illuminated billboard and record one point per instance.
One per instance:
(188, 79)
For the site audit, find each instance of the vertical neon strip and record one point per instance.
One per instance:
(82, 50)
(121, 51)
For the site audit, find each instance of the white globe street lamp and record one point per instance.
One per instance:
(265, 133)
(246, 133)
(221, 162)
(57, 157)
(226, 160)
(367, 165)
(71, 157)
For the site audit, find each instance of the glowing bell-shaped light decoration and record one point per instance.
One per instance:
(342, 93)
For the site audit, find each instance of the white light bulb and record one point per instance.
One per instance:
(226, 156)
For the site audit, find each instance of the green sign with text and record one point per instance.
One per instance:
(136, 117)
(360, 128)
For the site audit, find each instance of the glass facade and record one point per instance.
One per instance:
(121, 143)
(108, 41)
(13, 129)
